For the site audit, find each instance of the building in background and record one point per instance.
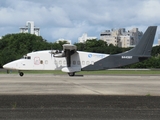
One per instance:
(85, 37)
(121, 37)
(63, 40)
(30, 28)
(0, 37)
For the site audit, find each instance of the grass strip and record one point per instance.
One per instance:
(100, 72)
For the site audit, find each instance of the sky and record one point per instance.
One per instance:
(69, 19)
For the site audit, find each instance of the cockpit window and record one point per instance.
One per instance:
(27, 57)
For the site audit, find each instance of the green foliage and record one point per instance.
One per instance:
(14, 46)
(155, 51)
(153, 62)
(59, 45)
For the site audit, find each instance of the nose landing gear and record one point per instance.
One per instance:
(21, 74)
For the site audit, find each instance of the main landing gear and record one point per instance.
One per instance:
(71, 74)
(21, 74)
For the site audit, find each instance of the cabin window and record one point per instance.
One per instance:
(64, 62)
(60, 62)
(83, 62)
(87, 62)
(78, 62)
(46, 62)
(55, 62)
(92, 62)
(41, 61)
(74, 62)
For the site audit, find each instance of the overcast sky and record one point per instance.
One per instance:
(69, 19)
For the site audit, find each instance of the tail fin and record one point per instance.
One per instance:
(144, 46)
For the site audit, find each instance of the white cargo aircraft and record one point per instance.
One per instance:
(71, 61)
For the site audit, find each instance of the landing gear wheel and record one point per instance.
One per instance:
(21, 74)
(71, 74)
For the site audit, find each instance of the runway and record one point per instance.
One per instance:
(82, 85)
(89, 97)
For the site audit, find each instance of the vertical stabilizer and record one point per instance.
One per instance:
(145, 44)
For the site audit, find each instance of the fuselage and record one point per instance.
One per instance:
(44, 60)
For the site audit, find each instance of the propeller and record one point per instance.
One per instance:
(52, 52)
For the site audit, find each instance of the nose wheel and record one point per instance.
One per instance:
(21, 74)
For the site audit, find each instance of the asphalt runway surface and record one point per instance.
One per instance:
(40, 97)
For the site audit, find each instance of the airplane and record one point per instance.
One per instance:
(71, 61)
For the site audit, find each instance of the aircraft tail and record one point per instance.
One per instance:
(144, 46)
(140, 52)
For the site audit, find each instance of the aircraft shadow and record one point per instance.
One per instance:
(78, 75)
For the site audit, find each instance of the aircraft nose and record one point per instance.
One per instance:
(8, 66)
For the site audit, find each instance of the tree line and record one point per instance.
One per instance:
(14, 46)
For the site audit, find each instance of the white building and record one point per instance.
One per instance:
(0, 37)
(125, 41)
(84, 38)
(30, 28)
(121, 37)
(62, 40)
